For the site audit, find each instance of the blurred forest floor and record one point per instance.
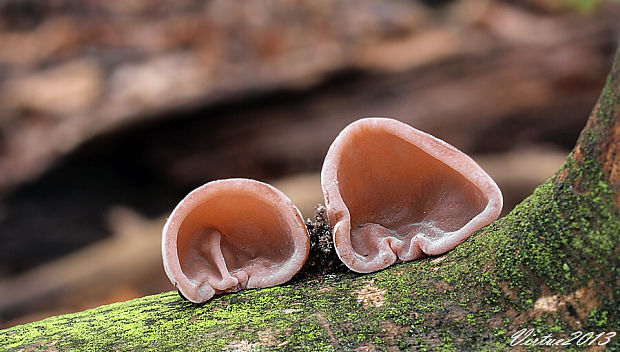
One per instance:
(110, 112)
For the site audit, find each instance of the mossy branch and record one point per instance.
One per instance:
(552, 264)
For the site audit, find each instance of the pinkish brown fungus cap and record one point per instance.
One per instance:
(233, 234)
(394, 193)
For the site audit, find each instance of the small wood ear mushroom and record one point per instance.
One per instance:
(394, 193)
(233, 234)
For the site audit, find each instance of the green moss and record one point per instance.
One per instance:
(436, 304)
(598, 318)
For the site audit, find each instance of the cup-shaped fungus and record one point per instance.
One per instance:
(233, 234)
(394, 193)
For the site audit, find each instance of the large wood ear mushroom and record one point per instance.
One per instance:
(394, 193)
(233, 234)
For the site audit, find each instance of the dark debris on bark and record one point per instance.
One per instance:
(322, 259)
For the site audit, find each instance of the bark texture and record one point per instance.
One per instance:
(552, 264)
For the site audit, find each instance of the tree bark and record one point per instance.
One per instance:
(551, 265)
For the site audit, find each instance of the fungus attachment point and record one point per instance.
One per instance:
(230, 235)
(394, 193)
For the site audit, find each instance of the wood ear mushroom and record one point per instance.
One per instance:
(394, 193)
(233, 234)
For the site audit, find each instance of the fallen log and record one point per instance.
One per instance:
(550, 268)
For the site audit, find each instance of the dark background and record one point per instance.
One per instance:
(110, 112)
